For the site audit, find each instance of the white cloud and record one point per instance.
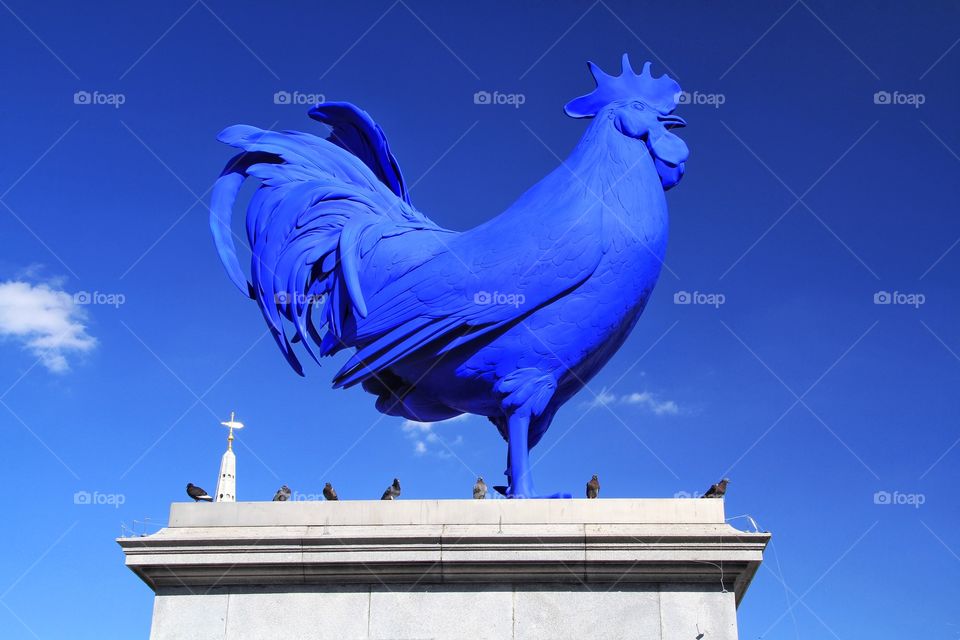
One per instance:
(422, 434)
(45, 320)
(643, 399)
(605, 397)
(659, 407)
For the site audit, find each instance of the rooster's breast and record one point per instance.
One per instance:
(570, 338)
(585, 329)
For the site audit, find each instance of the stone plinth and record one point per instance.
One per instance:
(650, 569)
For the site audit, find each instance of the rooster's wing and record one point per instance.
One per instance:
(446, 301)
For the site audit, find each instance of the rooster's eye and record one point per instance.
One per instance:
(638, 105)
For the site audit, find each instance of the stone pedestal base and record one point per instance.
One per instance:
(650, 569)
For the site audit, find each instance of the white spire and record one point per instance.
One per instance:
(227, 482)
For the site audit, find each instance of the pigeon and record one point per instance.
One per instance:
(282, 494)
(329, 493)
(197, 493)
(392, 492)
(480, 489)
(593, 487)
(717, 490)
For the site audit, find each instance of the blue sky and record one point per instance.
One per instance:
(823, 172)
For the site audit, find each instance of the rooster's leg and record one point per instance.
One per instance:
(518, 458)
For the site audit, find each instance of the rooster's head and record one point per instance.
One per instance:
(639, 106)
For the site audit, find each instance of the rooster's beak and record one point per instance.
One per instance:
(672, 121)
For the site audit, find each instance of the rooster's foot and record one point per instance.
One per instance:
(507, 492)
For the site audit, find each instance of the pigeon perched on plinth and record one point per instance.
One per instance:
(197, 493)
(392, 492)
(593, 487)
(480, 489)
(282, 494)
(329, 492)
(717, 490)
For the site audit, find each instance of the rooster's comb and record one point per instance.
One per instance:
(660, 93)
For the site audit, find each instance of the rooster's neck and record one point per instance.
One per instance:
(608, 182)
(619, 171)
(605, 157)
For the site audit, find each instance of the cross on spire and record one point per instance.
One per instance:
(227, 482)
(232, 423)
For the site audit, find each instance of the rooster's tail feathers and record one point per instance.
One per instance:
(318, 211)
(355, 131)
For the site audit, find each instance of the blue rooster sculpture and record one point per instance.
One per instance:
(507, 320)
